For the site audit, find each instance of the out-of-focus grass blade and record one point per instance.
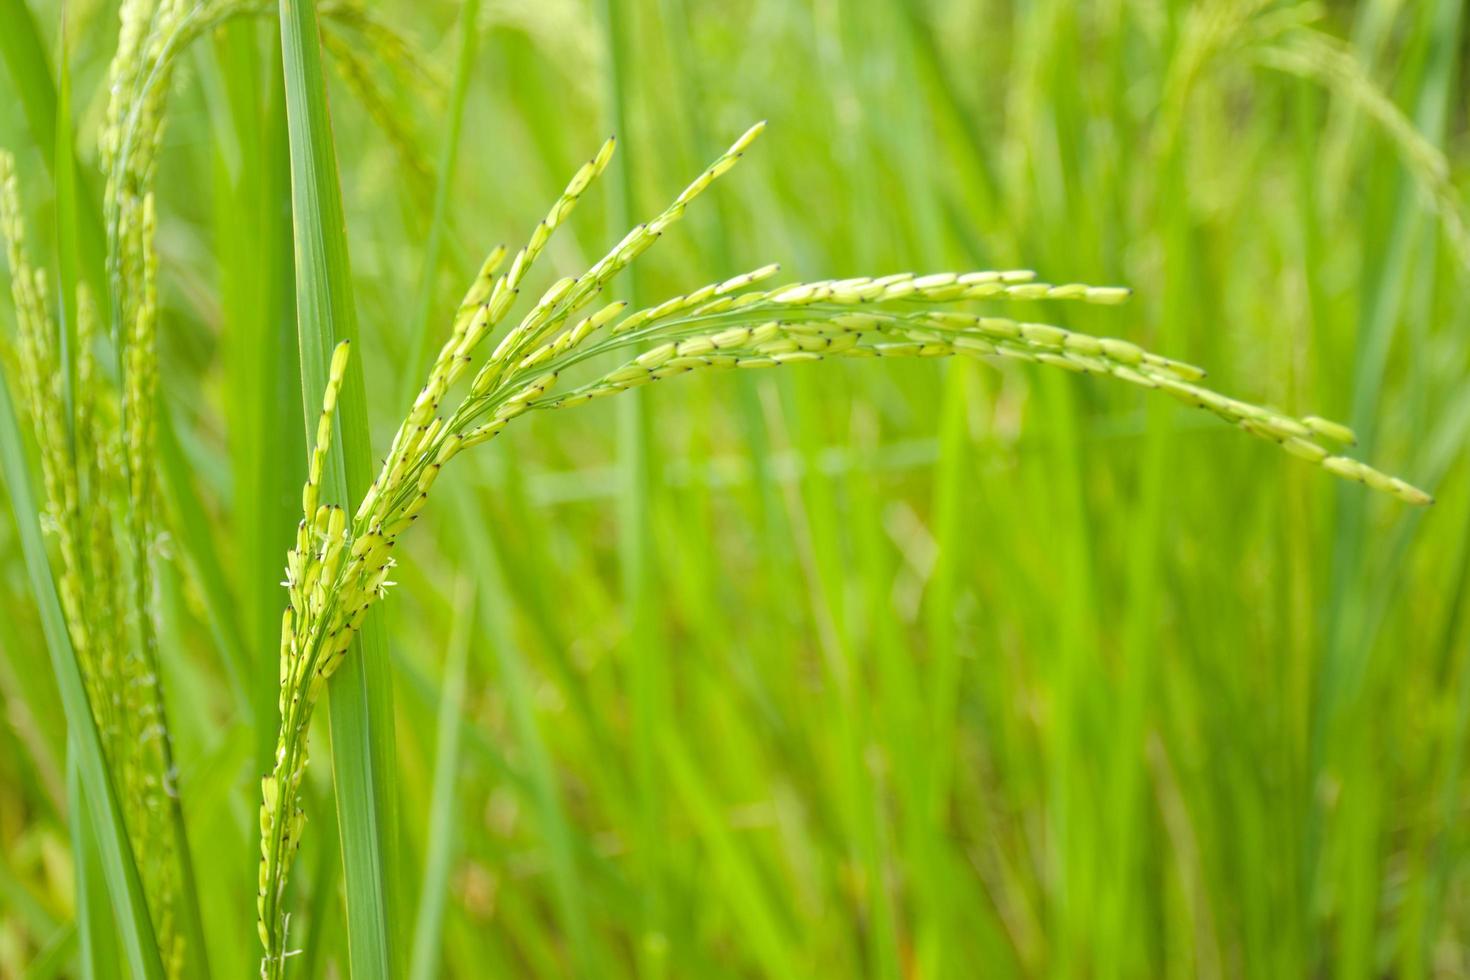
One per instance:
(321, 940)
(55, 956)
(37, 722)
(98, 937)
(1386, 285)
(1350, 826)
(571, 907)
(34, 88)
(65, 176)
(118, 867)
(194, 531)
(267, 448)
(643, 646)
(21, 906)
(361, 697)
(25, 56)
(764, 934)
(423, 339)
(425, 963)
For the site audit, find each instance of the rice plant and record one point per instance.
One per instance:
(341, 564)
(938, 811)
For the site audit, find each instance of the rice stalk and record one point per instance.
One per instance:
(98, 451)
(341, 564)
(87, 496)
(98, 457)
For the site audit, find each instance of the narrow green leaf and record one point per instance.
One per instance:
(25, 57)
(426, 961)
(267, 450)
(551, 814)
(55, 956)
(361, 705)
(98, 937)
(648, 674)
(34, 87)
(196, 542)
(423, 339)
(64, 169)
(322, 937)
(741, 889)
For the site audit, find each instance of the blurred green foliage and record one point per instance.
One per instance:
(875, 669)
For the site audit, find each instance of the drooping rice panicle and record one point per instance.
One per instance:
(339, 568)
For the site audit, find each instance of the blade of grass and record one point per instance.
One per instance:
(1385, 291)
(648, 674)
(952, 494)
(65, 177)
(34, 88)
(193, 531)
(321, 939)
(570, 904)
(1349, 827)
(25, 56)
(22, 907)
(33, 714)
(361, 700)
(425, 963)
(55, 956)
(423, 341)
(96, 934)
(253, 213)
(119, 869)
(766, 937)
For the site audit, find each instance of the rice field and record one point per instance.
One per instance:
(950, 488)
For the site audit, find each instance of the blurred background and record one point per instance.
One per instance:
(886, 669)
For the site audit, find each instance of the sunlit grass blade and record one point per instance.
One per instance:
(25, 57)
(361, 698)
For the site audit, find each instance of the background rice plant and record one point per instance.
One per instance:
(910, 669)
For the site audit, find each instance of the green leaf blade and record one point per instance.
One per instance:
(361, 713)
